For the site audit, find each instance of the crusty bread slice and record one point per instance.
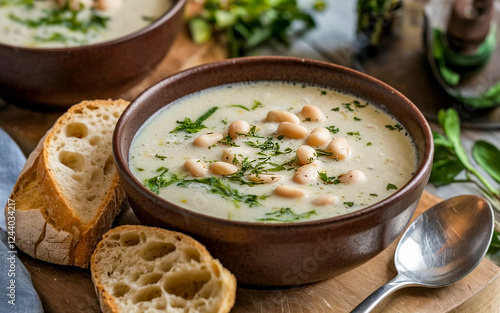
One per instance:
(68, 194)
(149, 269)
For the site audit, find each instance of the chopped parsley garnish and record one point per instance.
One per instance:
(140, 169)
(253, 132)
(214, 185)
(391, 186)
(328, 180)
(336, 109)
(228, 141)
(323, 92)
(256, 105)
(160, 181)
(239, 106)
(369, 144)
(161, 157)
(269, 144)
(353, 133)
(348, 106)
(193, 127)
(285, 215)
(359, 105)
(357, 119)
(373, 195)
(349, 204)
(333, 129)
(397, 127)
(148, 18)
(62, 17)
(321, 152)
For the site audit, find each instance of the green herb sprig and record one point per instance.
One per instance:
(451, 159)
(188, 126)
(285, 215)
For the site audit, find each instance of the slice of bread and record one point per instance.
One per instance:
(67, 195)
(149, 269)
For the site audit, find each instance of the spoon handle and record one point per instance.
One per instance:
(369, 303)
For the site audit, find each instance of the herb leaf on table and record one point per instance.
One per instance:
(451, 159)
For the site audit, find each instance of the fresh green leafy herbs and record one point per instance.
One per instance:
(214, 185)
(488, 157)
(321, 152)
(239, 106)
(391, 186)
(396, 126)
(193, 127)
(357, 134)
(269, 144)
(333, 129)
(328, 179)
(161, 180)
(369, 143)
(253, 133)
(161, 157)
(257, 104)
(347, 106)
(323, 92)
(217, 186)
(373, 195)
(64, 17)
(451, 159)
(285, 215)
(349, 204)
(357, 119)
(140, 169)
(336, 109)
(228, 141)
(247, 24)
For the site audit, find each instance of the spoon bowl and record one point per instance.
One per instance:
(443, 245)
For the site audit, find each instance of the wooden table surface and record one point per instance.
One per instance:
(331, 41)
(61, 287)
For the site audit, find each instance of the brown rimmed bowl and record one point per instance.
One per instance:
(61, 77)
(280, 255)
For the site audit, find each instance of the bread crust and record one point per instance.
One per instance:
(108, 302)
(47, 226)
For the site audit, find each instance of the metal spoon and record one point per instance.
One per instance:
(440, 247)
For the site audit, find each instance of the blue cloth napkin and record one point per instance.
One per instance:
(17, 293)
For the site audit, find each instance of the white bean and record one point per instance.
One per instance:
(238, 127)
(228, 156)
(306, 174)
(306, 155)
(223, 168)
(108, 5)
(196, 167)
(318, 137)
(352, 177)
(339, 147)
(312, 113)
(325, 200)
(265, 178)
(290, 192)
(207, 140)
(292, 130)
(282, 116)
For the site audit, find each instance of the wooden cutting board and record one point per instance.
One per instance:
(63, 287)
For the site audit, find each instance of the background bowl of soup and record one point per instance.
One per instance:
(278, 254)
(59, 68)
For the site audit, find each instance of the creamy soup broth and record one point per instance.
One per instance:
(28, 25)
(380, 150)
